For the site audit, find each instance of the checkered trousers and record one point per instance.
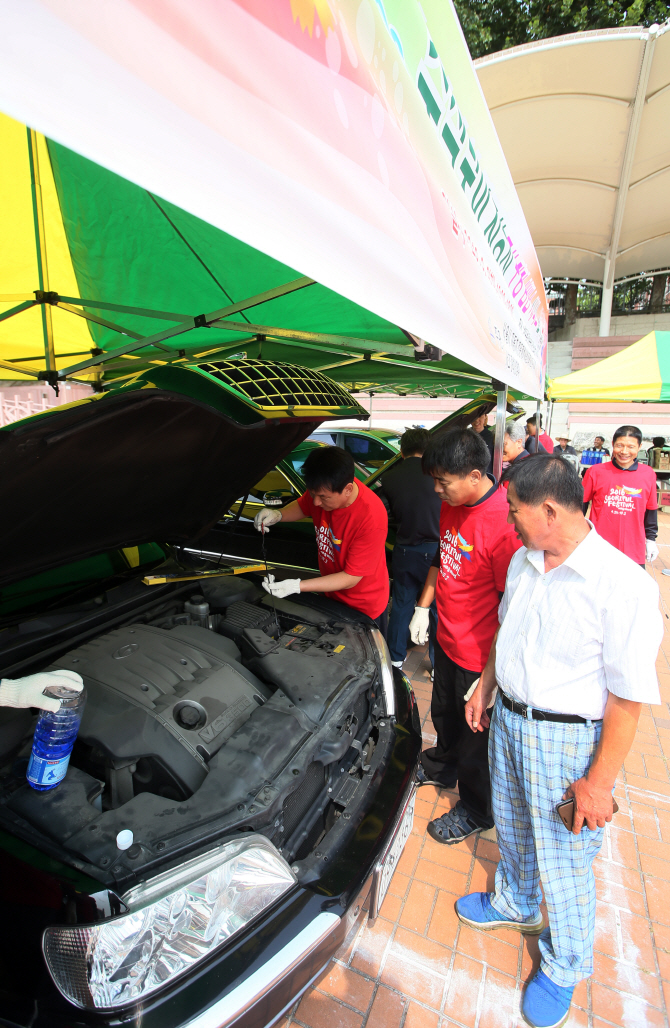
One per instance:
(532, 763)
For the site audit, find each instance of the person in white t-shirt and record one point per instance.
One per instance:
(573, 660)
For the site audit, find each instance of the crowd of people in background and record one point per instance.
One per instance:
(542, 630)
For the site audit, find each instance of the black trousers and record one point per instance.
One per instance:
(460, 754)
(411, 564)
(382, 623)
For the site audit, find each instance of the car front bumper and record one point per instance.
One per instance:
(273, 988)
(264, 970)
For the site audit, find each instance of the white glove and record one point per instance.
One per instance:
(281, 589)
(27, 692)
(651, 551)
(419, 625)
(471, 690)
(266, 517)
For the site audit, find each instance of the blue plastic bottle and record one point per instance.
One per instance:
(54, 738)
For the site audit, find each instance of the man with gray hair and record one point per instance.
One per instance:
(573, 661)
(514, 447)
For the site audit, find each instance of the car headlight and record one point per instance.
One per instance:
(175, 920)
(385, 670)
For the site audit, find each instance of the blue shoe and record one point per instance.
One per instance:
(476, 910)
(545, 1004)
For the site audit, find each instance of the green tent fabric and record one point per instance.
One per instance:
(137, 250)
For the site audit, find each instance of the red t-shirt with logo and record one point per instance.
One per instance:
(353, 539)
(545, 441)
(476, 546)
(619, 498)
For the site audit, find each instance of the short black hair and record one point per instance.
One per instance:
(601, 437)
(628, 430)
(458, 452)
(328, 467)
(414, 440)
(546, 477)
(658, 440)
(532, 420)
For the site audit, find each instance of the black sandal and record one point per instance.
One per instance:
(455, 826)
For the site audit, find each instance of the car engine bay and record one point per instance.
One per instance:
(217, 713)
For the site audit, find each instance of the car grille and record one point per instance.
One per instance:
(269, 384)
(361, 709)
(299, 802)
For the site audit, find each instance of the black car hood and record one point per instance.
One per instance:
(136, 465)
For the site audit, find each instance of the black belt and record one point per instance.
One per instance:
(543, 715)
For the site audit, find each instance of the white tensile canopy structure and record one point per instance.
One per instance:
(584, 121)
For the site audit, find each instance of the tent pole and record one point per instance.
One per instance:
(538, 415)
(550, 413)
(32, 372)
(41, 254)
(501, 416)
(635, 120)
(606, 298)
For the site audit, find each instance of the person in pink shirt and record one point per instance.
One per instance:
(622, 494)
(546, 443)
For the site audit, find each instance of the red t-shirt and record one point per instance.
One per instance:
(353, 539)
(619, 498)
(547, 442)
(476, 546)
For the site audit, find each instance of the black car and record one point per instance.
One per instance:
(243, 779)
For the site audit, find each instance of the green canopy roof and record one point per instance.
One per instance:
(148, 273)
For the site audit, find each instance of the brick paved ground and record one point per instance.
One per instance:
(417, 967)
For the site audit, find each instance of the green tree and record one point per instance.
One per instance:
(492, 25)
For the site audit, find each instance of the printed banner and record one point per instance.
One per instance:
(348, 139)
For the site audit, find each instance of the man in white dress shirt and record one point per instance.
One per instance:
(573, 660)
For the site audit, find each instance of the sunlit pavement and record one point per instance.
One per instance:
(417, 967)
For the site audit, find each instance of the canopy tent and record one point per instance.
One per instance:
(640, 372)
(295, 181)
(102, 236)
(583, 121)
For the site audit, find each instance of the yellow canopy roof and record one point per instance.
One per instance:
(640, 372)
(29, 203)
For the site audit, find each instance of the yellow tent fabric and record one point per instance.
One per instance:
(22, 336)
(640, 372)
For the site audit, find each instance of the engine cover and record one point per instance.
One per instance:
(181, 743)
(160, 705)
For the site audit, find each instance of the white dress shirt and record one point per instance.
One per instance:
(570, 635)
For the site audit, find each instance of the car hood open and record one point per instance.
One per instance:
(158, 458)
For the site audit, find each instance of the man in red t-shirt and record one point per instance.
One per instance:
(467, 579)
(546, 444)
(623, 501)
(351, 525)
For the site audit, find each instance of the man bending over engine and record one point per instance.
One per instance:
(351, 525)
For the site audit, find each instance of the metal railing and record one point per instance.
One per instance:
(14, 408)
(639, 294)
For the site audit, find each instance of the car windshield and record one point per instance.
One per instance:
(298, 458)
(327, 438)
(367, 449)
